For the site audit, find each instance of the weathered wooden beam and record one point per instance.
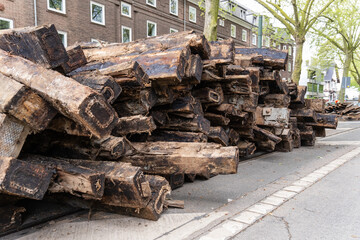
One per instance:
(24, 179)
(65, 125)
(325, 120)
(217, 119)
(218, 135)
(202, 159)
(13, 134)
(307, 115)
(79, 102)
(41, 45)
(24, 104)
(246, 148)
(196, 42)
(193, 71)
(105, 85)
(76, 180)
(76, 59)
(222, 52)
(208, 95)
(134, 124)
(318, 105)
(265, 135)
(277, 100)
(272, 58)
(198, 124)
(176, 136)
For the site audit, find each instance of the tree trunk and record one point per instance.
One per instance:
(211, 15)
(298, 61)
(347, 64)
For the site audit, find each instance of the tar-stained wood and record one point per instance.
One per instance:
(193, 71)
(253, 72)
(319, 131)
(134, 124)
(76, 180)
(202, 159)
(13, 134)
(266, 135)
(176, 180)
(104, 85)
(277, 100)
(24, 104)
(41, 45)
(10, 217)
(75, 100)
(125, 185)
(275, 59)
(208, 95)
(318, 105)
(63, 124)
(196, 42)
(62, 145)
(76, 59)
(272, 117)
(307, 115)
(222, 52)
(176, 136)
(218, 135)
(246, 148)
(217, 119)
(197, 124)
(24, 179)
(325, 120)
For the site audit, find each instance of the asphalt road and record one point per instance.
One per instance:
(329, 209)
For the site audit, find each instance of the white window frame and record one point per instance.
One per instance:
(177, 7)
(8, 20)
(94, 40)
(191, 8)
(284, 47)
(290, 51)
(254, 39)
(289, 67)
(65, 43)
(55, 10)
(122, 31)
(126, 5)
(173, 30)
(244, 35)
(232, 26)
(103, 13)
(221, 22)
(148, 3)
(147, 28)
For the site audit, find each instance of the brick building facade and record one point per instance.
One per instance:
(121, 21)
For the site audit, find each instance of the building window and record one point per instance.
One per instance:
(125, 34)
(192, 14)
(267, 42)
(233, 31)
(6, 23)
(57, 6)
(253, 39)
(174, 7)
(94, 40)
(290, 50)
(274, 44)
(220, 39)
(284, 47)
(289, 67)
(244, 35)
(221, 22)
(242, 13)
(126, 9)
(173, 30)
(279, 47)
(97, 12)
(63, 37)
(255, 20)
(151, 2)
(151, 29)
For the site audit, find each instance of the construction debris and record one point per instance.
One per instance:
(135, 120)
(347, 111)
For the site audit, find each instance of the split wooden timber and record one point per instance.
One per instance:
(75, 100)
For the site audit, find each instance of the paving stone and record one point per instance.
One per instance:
(296, 189)
(284, 194)
(276, 201)
(261, 208)
(247, 217)
(224, 231)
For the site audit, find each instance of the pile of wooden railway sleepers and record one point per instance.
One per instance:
(116, 126)
(347, 111)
